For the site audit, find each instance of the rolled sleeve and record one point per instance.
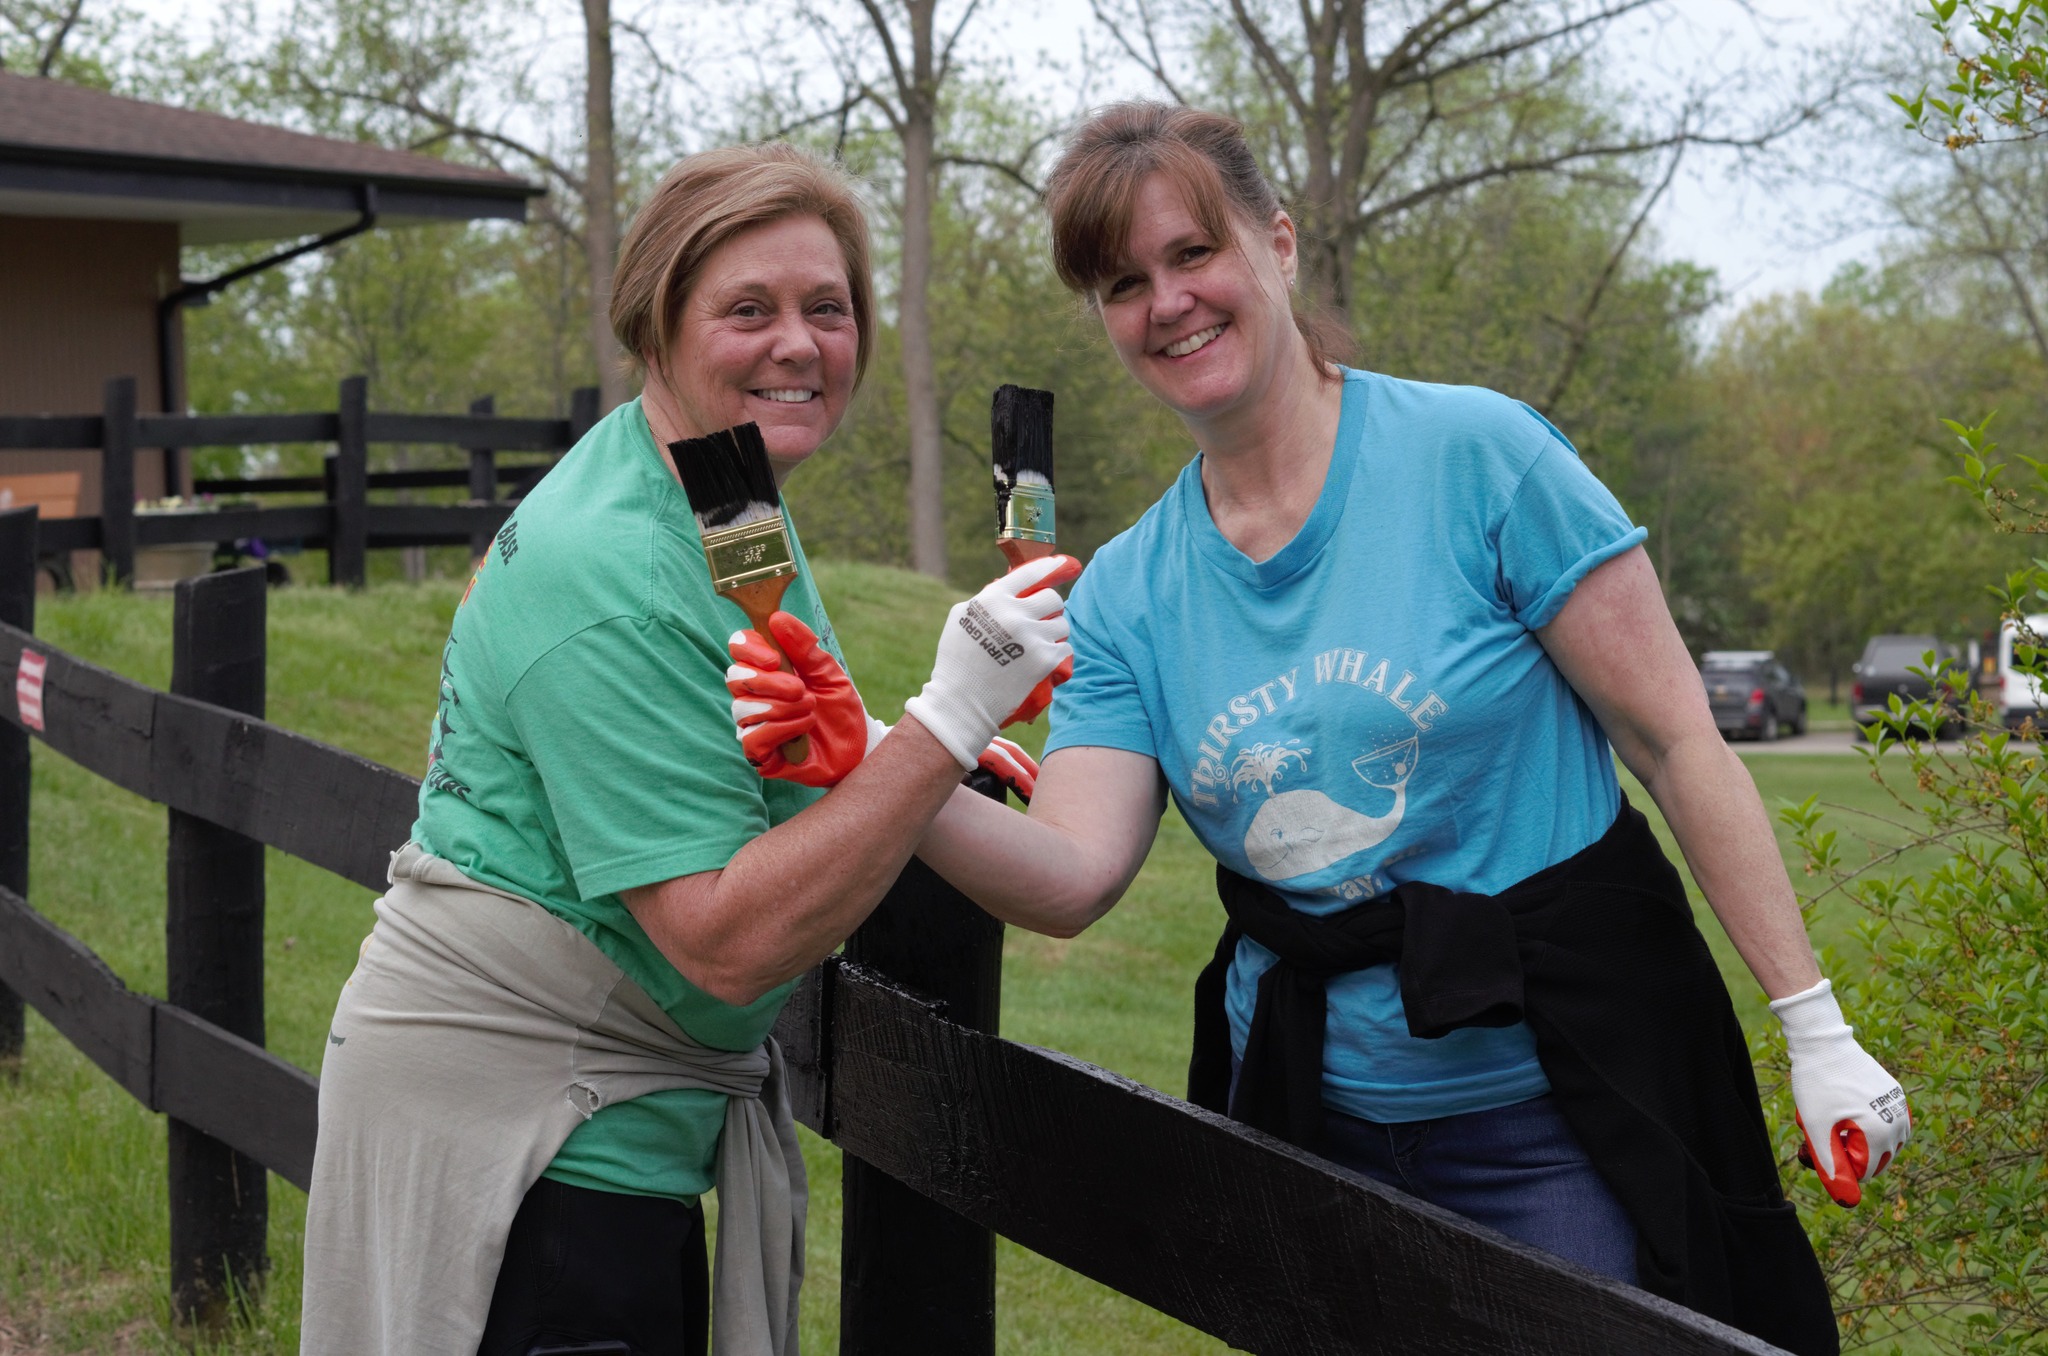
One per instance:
(1561, 525)
(1101, 705)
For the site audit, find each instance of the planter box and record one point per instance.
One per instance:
(160, 567)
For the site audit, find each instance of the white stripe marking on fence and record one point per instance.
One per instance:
(28, 688)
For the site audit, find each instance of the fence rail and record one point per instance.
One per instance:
(951, 1133)
(347, 525)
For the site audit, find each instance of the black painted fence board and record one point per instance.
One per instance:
(321, 804)
(167, 1059)
(76, 993)
(504, 432)
(1229, 1231)
(23, 432)
(456, 521)
(913, 1274)
(237, 1092)
(445, 478)
(230, 430)
(67, 534)
(349, 495)
(17, 609)
(304, 522)
(117, 480)
(213, 952)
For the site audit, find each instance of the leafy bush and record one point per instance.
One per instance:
(1949, 1251)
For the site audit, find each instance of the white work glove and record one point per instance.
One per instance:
(1859, 1109)
(995, 648)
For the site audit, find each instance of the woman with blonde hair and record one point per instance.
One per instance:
(1380, 643)
(556, 1039)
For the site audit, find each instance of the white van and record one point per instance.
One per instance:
(2019, 694)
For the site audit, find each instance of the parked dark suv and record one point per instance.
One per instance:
(1752, 695)
(1887, 668)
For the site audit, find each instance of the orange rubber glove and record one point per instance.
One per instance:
(1033, 706)
(771, 707)
(1012, 767)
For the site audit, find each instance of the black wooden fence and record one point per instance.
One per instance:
(346, 522)
(951, 1134)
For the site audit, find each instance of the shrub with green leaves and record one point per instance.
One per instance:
(1949, 1251)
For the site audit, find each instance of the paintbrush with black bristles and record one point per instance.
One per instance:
(739, 514)
(1021, 437)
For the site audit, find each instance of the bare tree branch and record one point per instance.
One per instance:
(1153, 63)
(1015, 173)
(1262, 49)
(2000, 253)
(654, 56)
(451, 127)
(904, 82)
(55, 46)
(945, 62)
(1580, 329)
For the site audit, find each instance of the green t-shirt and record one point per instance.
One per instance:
(584, 745)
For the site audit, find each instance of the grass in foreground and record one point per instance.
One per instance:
(83, 1229)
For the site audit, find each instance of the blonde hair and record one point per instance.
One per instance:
(706, 200)
(1093, 194)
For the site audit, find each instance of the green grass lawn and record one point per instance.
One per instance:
(83, 1230)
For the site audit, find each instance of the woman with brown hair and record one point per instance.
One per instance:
(556, 1039)
(1380, 644)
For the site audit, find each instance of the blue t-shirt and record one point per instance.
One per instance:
(1370, 705)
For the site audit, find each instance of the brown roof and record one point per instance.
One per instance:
(48, 116)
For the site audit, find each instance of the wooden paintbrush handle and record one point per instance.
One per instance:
(1017, 551)
(759, 601)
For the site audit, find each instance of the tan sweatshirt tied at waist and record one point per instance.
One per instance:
(476, 1033)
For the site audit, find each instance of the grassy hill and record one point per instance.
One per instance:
(83, 1230)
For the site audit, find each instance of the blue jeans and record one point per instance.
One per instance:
(1517, 1169)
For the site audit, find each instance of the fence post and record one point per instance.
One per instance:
(913, 1275)
(117, 479)
(213, 936)
(348, 532)
(483, 477)
(17, 608)
(583, 412)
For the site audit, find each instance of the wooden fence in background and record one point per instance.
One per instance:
(951, 1134)
(346, 522)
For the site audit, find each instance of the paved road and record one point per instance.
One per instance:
(1820, 741)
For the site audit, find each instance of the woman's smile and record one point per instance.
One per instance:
(1194, 343)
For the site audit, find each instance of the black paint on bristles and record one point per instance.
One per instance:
(727, 476)
(1021, 433)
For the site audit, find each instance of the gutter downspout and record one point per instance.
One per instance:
(169, 371)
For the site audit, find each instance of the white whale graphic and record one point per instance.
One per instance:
(1296, 833)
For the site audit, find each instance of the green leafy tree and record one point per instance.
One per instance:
(2000, 88)
(1846, 528)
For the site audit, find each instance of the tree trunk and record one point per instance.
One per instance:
(600, 197)
(920, 380)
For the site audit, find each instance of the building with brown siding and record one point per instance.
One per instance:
(100, 194)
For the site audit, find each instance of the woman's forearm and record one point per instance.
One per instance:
(1064, 864)
(788, 898)
(1614, 642)
(1712, 806)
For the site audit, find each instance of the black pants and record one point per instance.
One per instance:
(595, 1266)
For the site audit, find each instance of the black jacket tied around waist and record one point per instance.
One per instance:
(1633, 1026)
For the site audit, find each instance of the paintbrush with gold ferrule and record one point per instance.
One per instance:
(739, 514)
(1021, 435)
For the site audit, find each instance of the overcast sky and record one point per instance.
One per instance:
(1763, 229)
